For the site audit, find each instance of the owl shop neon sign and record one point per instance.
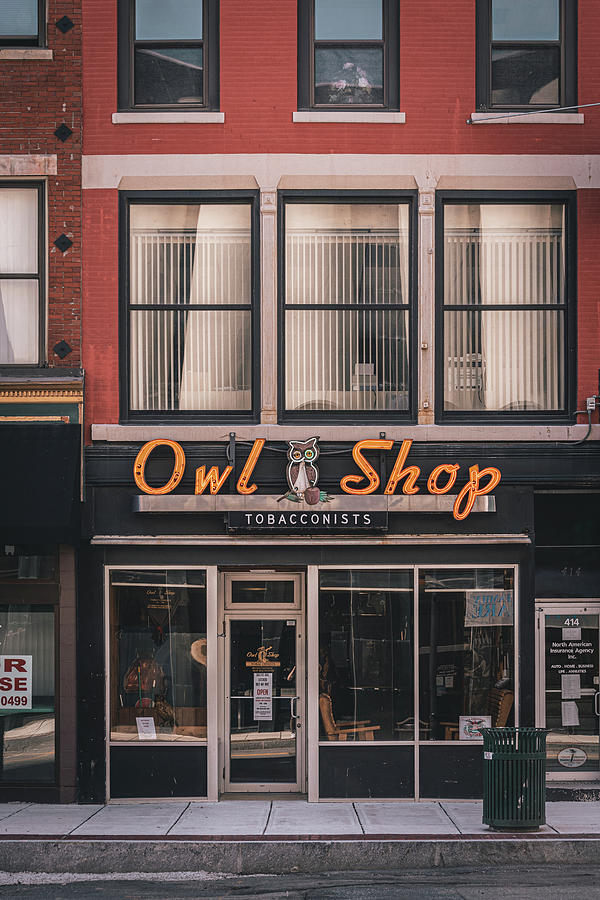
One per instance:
(302, 480)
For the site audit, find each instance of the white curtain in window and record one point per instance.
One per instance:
(217, 353)
(504, 359)
(19, 300)
(190, 358)
(348, 358)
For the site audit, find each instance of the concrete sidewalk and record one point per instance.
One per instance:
(275, 836)
(253, 819)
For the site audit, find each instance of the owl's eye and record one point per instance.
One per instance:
(296, 454)
(309, 454)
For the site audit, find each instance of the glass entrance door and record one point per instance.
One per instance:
(264, 689)
(568, 686)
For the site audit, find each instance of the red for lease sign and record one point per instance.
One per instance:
(15, 682)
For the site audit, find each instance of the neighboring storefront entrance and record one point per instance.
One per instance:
(568, 701)
(264, 683)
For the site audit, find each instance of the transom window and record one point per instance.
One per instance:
(346, 307)
(190, 288)
(168, 54)
(348, 53)
(526, 53)
(21, 22)
(22, 262)
(503, 313)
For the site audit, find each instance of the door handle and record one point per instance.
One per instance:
(293, 707)
(597, 703)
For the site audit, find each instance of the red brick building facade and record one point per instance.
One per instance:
(374, 221)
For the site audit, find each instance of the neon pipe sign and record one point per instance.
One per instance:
(440, 481)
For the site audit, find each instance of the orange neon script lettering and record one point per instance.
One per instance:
(242, 485)
(411, 473)
(213, 479)
(450, 469)
(471, 490)
(139, 466)
(365, 466)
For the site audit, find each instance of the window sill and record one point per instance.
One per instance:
(175, 117)
(358, 116)
(532, 118)
(25, 53)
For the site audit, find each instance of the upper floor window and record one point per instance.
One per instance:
(22, 260)
(21, 22)
(346, 312)
(190, 273)
(506, 306)
(168, 54)
(526, 53)
(348, 54)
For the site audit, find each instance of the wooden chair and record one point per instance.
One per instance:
(334, 732)
(499, 705)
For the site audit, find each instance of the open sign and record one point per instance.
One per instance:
(15, 682)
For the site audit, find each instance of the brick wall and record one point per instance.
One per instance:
(101, 305)
(588, 356)
(36, 97)
(259, 93)
(258, 86)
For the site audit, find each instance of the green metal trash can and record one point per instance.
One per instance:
(514, 778)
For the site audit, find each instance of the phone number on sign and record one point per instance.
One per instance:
(13, 701)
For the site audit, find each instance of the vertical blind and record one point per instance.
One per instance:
(504, 313)
(346, 319)
(190, 324)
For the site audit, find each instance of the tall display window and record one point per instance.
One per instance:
(157, 683)
(28, 658)
(158, 656)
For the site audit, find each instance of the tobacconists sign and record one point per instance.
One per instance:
(304, 506)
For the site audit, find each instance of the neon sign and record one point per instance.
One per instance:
(440, 481)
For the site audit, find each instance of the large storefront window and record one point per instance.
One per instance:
(466, 652)
(27, 735)
(27, 660)
(158, 655)
(365, 655)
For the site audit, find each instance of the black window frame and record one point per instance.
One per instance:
(348, 416)
(568, 58)
(40, 277)
(187, 417)
(510, 417)
(126, 61)
(391, 60)
(28, 40)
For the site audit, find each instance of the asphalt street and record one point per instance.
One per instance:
(508, 883)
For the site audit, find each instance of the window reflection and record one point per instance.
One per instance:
(466, 653)
(158, 655)
(27, 742)
(365, 655)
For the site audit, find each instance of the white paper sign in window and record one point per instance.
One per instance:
(263, 696)
(16, 675)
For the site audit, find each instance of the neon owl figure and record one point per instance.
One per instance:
(302, 472)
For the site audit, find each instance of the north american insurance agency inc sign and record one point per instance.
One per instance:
(304, 506)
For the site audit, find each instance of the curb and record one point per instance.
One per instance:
(273, 857)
